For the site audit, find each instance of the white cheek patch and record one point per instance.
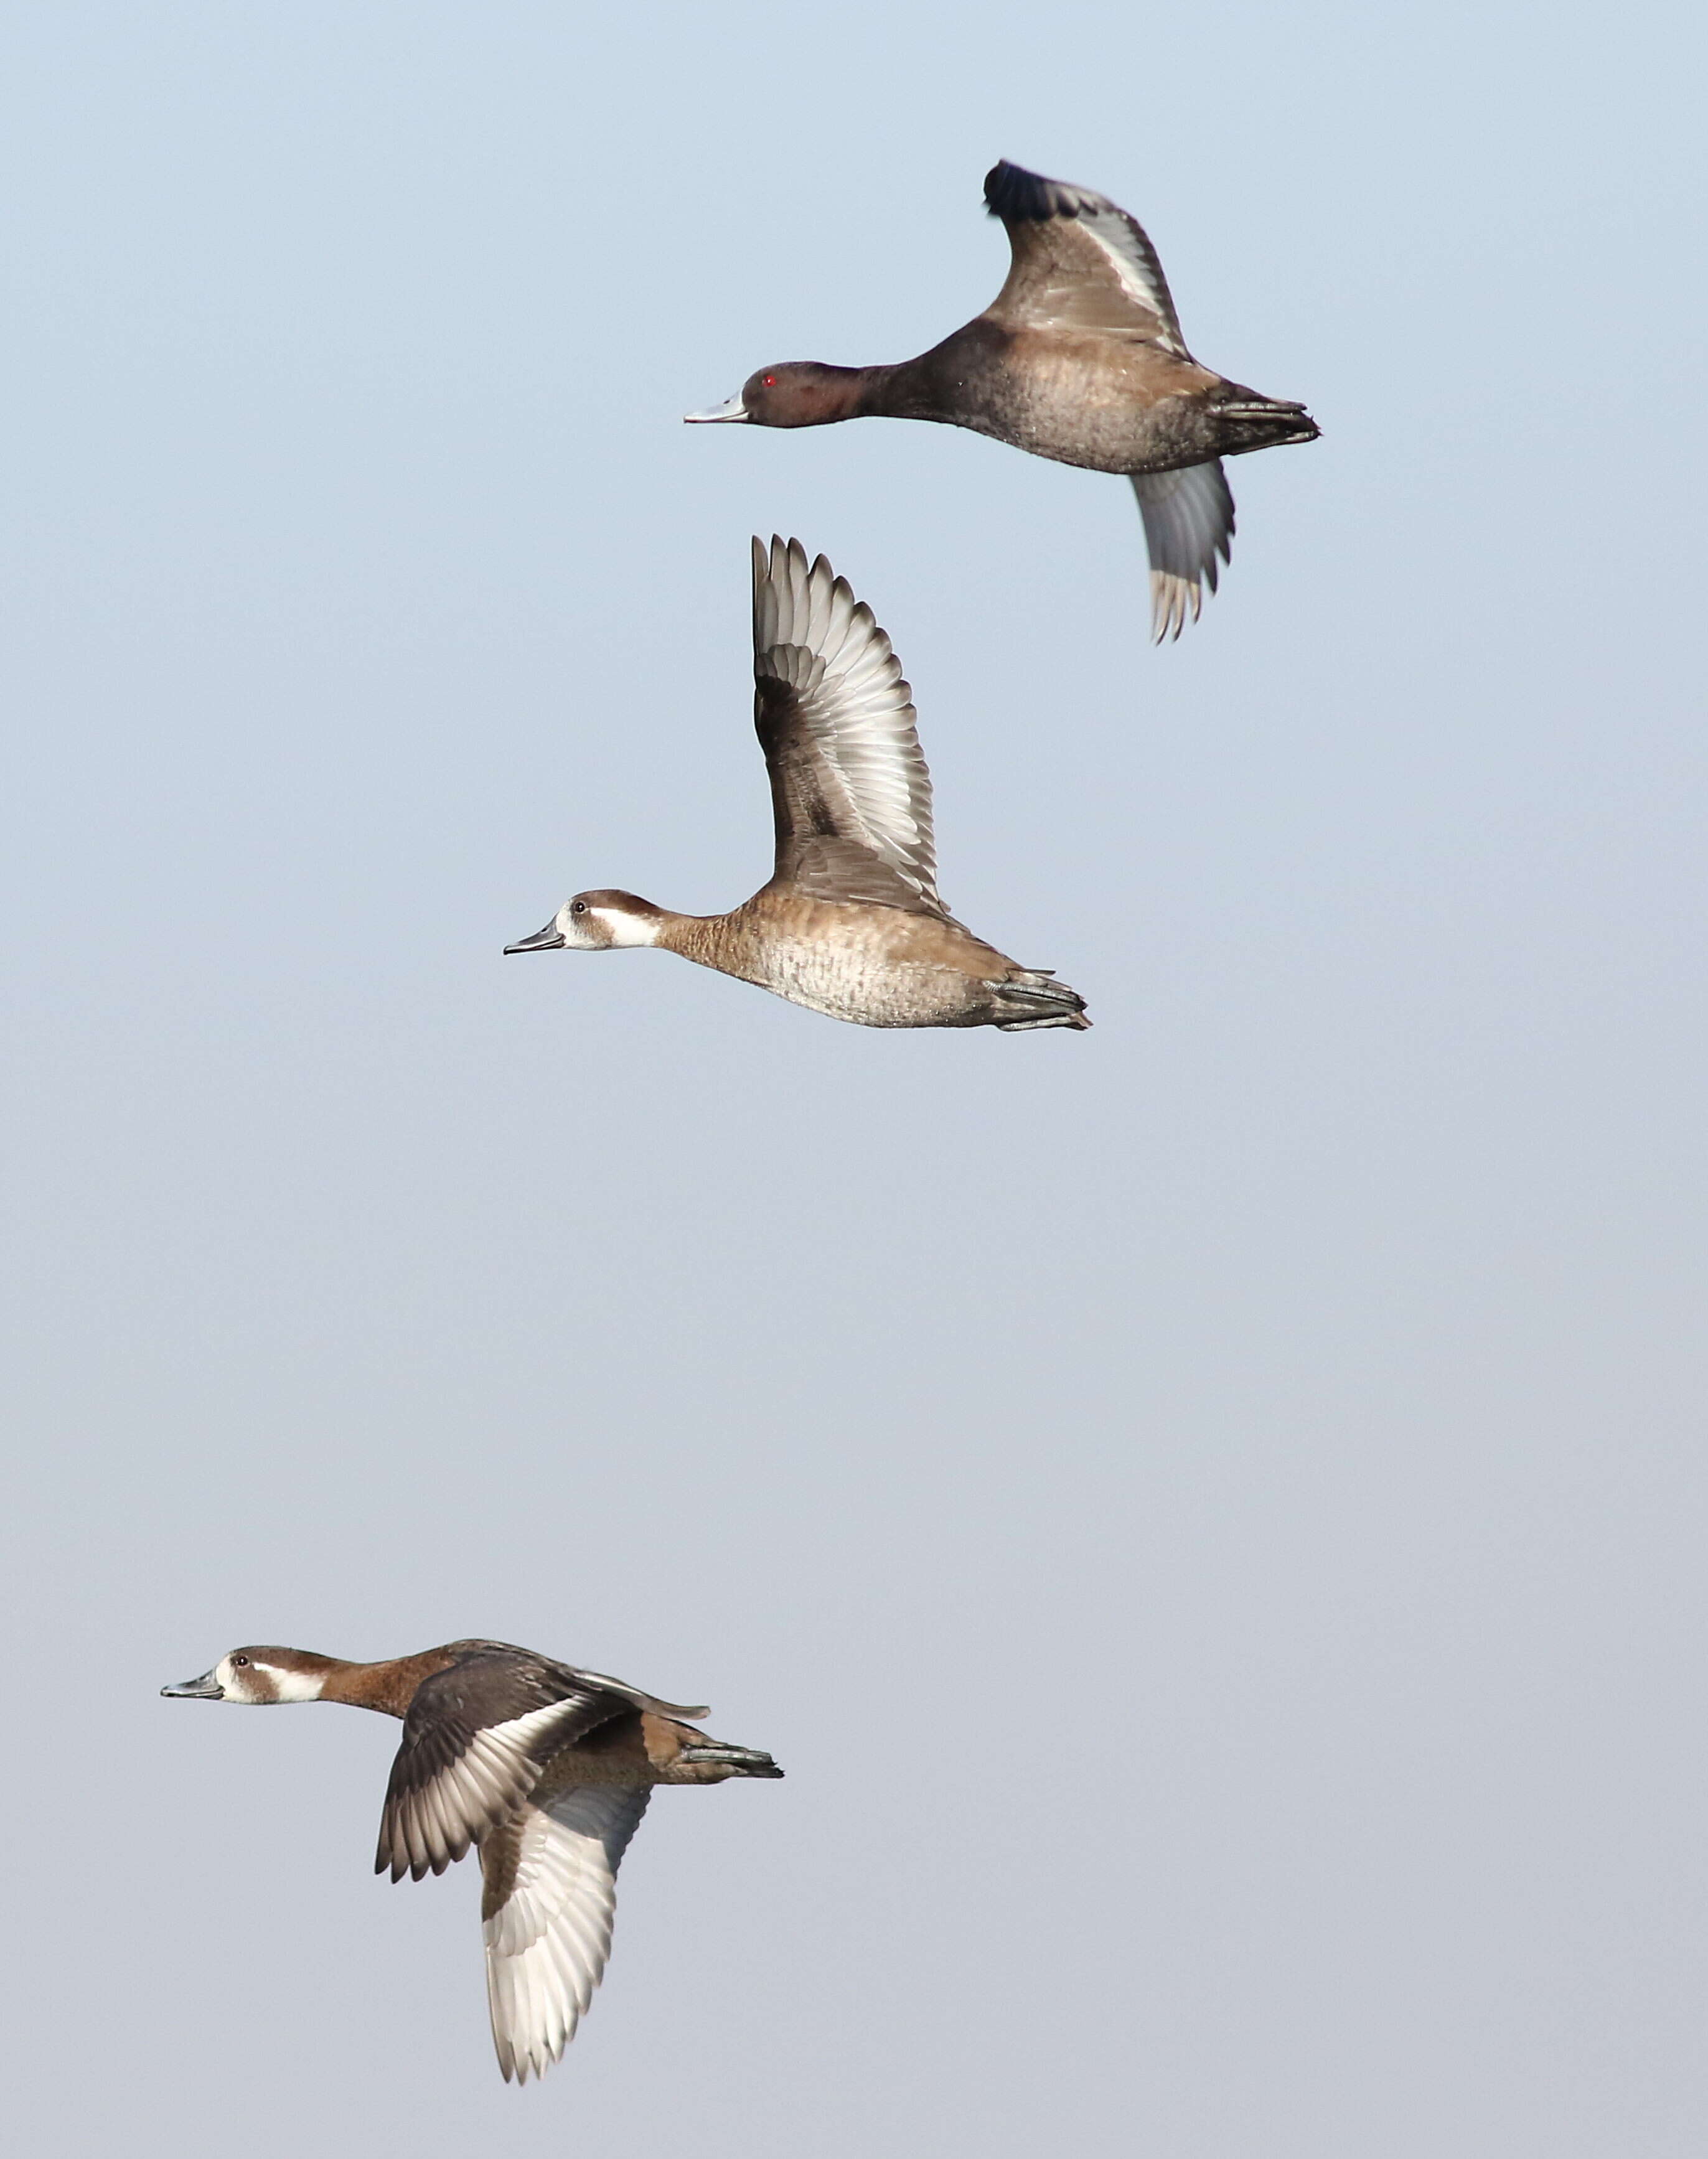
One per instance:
(625, 930)
(290, 1686)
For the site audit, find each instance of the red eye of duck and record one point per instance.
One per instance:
(770, 381)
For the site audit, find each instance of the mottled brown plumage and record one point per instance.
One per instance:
(850, 924)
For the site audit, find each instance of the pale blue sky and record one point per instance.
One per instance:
(1209, 1512)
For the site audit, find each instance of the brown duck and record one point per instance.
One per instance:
(1078, 358)
(546, 1768)
(850, 922)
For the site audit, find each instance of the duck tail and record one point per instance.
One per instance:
(1035, 999)
(1247, 422)
(733, 1761)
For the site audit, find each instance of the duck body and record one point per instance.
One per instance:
(1079, 358)
(850, 924)
(544, 1768)
(874, 966)
(1091, 399)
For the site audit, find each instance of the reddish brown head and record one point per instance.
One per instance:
(794, 393)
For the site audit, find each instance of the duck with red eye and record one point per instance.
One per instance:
(1081, 359)
(797, 393)
(546, 1768)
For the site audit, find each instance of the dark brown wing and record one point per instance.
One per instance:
(849, 786)
(1080, 262)
(474, 1741)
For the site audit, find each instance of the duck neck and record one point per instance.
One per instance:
(704, 938)
(903, 390)
(388, 1686)
(824, 394)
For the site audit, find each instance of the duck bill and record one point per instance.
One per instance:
(548, 940)
(207, 1688)
(732, 409)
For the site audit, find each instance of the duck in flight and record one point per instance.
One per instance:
(546, 1770)
(850, 922)
(1078, 358)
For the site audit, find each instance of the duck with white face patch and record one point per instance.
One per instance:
(850, 924)
(256, 1677)
(546, 1768)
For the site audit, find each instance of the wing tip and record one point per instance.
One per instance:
(1013, 193)
(1174, 600)
(399, 1856)
(783, 571)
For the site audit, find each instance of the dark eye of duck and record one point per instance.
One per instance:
(578, 907)
(238, 1661)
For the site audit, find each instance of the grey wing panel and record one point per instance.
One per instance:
(826, 868)
(1188, 523)
(1080, 262)
(836, 721)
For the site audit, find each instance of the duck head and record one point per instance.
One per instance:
(257, 1675)
(795, 393)
(596, 922)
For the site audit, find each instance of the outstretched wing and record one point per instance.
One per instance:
(550, 1895)
(474, 1741)
(1188, 522)
(1080, 262)
(849, 786)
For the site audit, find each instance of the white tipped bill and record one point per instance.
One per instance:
(732, 409)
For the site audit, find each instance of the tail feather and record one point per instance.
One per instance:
(740, 1761)
(1039, 1000)
(1263, 423)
